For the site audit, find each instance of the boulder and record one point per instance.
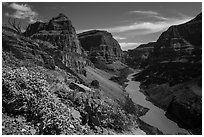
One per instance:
(74, 86)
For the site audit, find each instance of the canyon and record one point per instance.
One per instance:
(49, 70)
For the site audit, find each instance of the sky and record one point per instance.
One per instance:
(131, 23)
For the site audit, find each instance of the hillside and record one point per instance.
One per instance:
(47, 86)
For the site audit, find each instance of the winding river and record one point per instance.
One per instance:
(155, 116)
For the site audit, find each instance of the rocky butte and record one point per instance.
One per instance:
(100, 45)
(182, 41)
(60, 32)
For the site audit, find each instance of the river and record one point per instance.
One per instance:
(155, 116)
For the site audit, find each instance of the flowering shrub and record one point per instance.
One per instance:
(26, 93)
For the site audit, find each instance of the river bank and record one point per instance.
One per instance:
(181, 105)
(155, 116)
(131, 106)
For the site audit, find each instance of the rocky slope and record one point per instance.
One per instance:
(60, 32)
(27, 49)
(100, 45)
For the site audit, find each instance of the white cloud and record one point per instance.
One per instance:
(80, 31)
(129, 45)
(22, 11)
(147, 14)
(144, 27)
(148, 27)
(119, 38)
(20, 7)
(130, 31)
(144, 12)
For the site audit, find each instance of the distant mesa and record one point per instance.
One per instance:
(100, 45)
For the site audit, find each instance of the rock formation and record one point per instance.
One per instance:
(26, 49)
(62, 35)
(100, 45)
(139, 57)
(180, 41)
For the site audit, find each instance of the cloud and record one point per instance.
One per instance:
(149, 14)
(144, 12)
(148, 27)
(119, 38)
(144, 27)
(22, 11)
(84, 30)
(131, 31)
(129, 45)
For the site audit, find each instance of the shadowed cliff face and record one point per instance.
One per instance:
(60, 32)
(139, 57)
(101, 45)
(180, 41)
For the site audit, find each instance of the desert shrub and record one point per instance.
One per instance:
(26, 93)
(84, 72)
(95, 83)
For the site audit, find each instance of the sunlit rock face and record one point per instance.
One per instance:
(60, 32)
(100, 44)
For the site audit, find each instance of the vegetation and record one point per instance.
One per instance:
(95, 83)
(37, 100)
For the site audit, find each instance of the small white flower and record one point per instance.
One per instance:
(23, 130)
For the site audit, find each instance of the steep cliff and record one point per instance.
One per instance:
(180, 41)
(60, 32)
(100, 45)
